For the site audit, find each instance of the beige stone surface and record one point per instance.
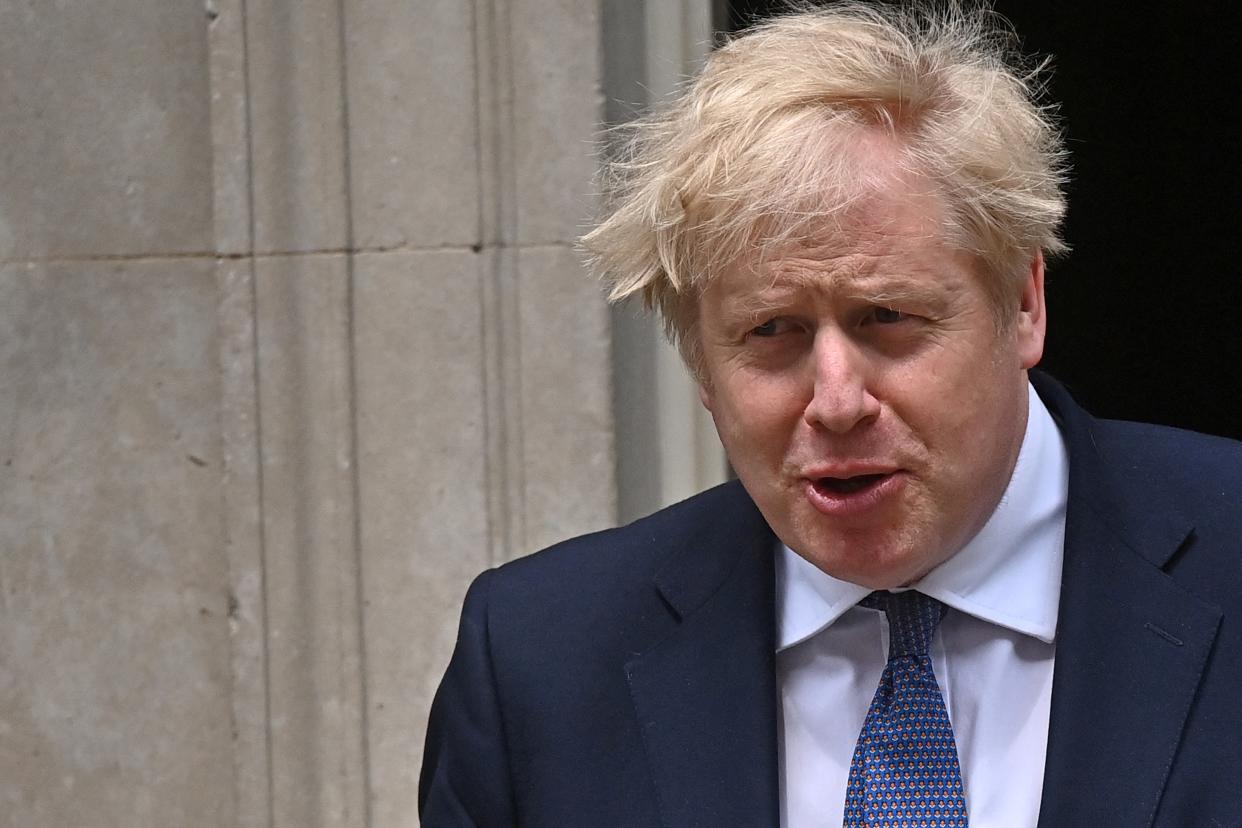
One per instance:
(567, 426)
(497, 222)
(501, 372)
(104, 140)
(230, 128)
(557, 107)
(423, 470)
(413, 122)
(314, 644)
(297, 125)
(114, 653)
(243, 488)
(242, 522)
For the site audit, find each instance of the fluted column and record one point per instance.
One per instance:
(293, 343)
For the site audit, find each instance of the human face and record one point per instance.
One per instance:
(865, 394)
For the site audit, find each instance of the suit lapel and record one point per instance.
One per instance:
(705, 694)
(1131, 643)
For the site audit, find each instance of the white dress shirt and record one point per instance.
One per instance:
(992, 653)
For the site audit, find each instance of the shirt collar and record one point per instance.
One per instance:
(1008, 574)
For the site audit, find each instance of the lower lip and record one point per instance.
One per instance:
(851, 504)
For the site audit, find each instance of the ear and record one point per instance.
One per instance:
(1032, 322)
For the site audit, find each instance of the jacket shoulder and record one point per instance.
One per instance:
(1203, 473)
(635, 551)
(600, 590)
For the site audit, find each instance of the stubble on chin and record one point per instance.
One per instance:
(887, 555)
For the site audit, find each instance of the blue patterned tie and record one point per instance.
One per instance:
(905, 772)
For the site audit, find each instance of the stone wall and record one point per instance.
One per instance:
(292, 344)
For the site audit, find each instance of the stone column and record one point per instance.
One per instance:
(667, 448)
(293, 342)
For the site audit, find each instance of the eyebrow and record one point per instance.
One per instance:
(876, 290)
(886, 290)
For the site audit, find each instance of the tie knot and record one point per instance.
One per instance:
(912, 620)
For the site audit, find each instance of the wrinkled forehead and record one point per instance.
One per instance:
(899, 229)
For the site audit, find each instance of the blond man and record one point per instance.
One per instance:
(939, 592)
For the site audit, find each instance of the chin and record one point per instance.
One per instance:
(885, 580)
(874, 577)
(885, 565)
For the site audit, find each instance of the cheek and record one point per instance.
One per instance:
(956, 390)
(758, 415)
(974, 436)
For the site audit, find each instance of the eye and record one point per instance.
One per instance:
(772, 327)
(887, 316)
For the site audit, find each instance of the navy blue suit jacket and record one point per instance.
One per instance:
(626, 678)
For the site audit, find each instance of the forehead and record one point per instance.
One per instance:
(894, 240)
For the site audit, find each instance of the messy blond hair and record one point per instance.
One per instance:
(764, 148)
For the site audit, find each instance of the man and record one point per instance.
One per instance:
(938, 595)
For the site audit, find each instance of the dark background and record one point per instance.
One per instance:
(1144, 310)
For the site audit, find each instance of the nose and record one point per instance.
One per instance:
(842, 397)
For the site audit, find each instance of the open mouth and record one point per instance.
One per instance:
(848, 485)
